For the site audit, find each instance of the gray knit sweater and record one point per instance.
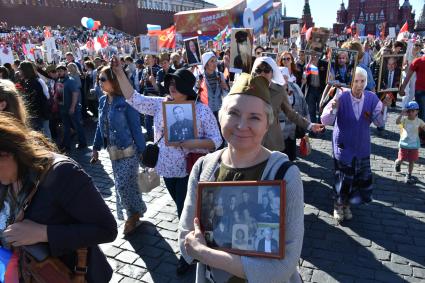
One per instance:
(256, 269)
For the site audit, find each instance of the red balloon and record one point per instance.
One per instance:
(96, 25)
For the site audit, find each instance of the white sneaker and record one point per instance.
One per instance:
(347, 213)
(338, 213)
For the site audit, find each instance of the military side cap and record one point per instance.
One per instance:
(255, 86)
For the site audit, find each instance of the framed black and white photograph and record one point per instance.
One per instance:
(179, 121)
(341, 67)
(390, 73)
(149, 44)
(193, 53)
(241, 42)
(318, 39)
(245, 217)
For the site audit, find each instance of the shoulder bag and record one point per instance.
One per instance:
(150, 154)
(36, 265)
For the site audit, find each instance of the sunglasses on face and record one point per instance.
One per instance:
(263, 70)
(258, 53)
(286, 59)
(103, 79)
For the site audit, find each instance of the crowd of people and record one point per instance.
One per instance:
(247, 125)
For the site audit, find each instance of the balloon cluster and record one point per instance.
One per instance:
(89, 23)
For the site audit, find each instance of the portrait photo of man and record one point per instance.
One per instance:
(390, 73)
(181, 128)
(241, 50)
(268, 244)
(192, 51)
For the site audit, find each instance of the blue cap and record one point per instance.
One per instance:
(412, 105)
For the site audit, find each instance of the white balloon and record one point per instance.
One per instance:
(84, 21)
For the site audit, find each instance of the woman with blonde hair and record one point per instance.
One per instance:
(48, 201)
(11, 102)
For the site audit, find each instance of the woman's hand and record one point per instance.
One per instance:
(317, 128)
(388, 99)
(194, 242)
(25, 233)
(116, 65)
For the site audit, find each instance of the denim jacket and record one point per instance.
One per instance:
(124, 125)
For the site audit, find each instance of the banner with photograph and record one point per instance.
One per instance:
(149, 44)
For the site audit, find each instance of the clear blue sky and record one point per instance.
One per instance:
(323, 11)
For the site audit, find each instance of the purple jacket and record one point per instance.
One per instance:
(351, 137)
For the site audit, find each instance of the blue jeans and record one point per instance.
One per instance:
(420, 99)
(177, 187)
(75, 122)
(313, 100)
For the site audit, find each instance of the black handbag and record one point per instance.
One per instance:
(150, 154)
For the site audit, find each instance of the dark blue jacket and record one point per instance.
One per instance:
(76, 216)
(124, 125)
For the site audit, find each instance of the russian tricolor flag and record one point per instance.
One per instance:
(153, 27)
(311, 70)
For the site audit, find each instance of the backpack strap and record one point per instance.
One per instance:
(280, 174)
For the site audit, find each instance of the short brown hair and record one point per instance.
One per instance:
(356, 46)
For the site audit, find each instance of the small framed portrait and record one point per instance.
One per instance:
(148, 44)
(390, 73)
(270, 54)
(241, 42)
(210, 44)
(342, 67)
(244, 217)
(179, 122)
(193, 53)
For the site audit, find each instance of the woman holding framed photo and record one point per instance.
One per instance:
(172, 165)
(245, 117)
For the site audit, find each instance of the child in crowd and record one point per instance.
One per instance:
(409, 138)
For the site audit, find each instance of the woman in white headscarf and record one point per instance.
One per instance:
(273, 140)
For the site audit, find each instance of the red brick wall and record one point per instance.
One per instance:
(123, 14)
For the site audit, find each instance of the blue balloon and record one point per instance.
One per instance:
(90, 23)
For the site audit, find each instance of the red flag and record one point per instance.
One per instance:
(304, 29)
(404, 29)
(103, 41)
(24, 49)
(308, 34)
(166, 37)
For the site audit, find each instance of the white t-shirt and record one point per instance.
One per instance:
(409, 133)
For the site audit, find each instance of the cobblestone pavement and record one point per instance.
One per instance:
(384, 242)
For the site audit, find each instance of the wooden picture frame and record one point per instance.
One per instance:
(333, 76)
(396, 59)
(238, 217)
(191, 46)
(179, 121)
